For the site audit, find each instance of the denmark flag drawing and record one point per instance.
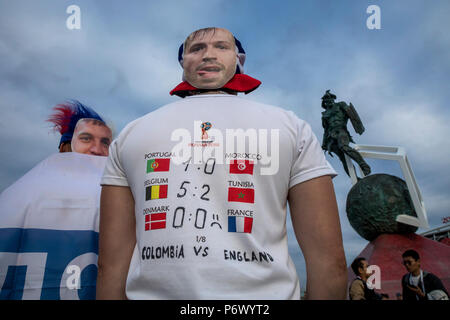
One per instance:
(155, 221)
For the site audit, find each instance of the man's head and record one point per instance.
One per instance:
(411, 260)
(359, 267)
(91, 136)
(209, 58)
(74, 117)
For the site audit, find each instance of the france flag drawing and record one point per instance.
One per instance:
(240, 224)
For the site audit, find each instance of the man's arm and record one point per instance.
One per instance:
(405, 291)
(117, 241)
(436, 284)
(357, 290)
(315, 219)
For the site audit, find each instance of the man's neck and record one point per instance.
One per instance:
(212, 91)
(416, 273)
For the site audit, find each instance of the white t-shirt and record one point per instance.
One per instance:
(215, 229)
(414, 280)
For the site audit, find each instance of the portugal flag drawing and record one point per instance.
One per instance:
(241, 166)
(155, 221)
(241, 195)
(158, 165)
(240, 224)
(156, 192)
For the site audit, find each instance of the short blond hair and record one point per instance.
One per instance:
(202, 32)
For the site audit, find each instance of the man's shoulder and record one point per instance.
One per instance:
(430, 275)
(263, 105)
(356, 290)
(283, 113)
(142, 120)
(357, 282)
(405, 277)
(236, 99)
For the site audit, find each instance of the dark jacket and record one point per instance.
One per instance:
(431, 282)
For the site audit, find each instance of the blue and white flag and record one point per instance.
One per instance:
(49, 221)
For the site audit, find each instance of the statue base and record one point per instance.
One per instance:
(386, 252)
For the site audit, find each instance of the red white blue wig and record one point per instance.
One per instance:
(66, 116)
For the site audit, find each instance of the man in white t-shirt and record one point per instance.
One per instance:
(194, 194)
(418, 284)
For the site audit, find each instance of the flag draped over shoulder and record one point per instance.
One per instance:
(49, 221)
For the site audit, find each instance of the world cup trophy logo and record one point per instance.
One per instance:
(205, 126)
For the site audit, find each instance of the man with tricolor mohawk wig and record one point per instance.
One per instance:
(58, 220)
(82, 129)
(194, 205)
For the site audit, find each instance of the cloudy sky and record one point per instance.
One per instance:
(123, 62)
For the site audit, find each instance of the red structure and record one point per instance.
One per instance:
(386, 252)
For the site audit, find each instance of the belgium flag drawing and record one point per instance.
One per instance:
(156, 192)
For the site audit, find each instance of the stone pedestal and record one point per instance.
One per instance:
(386, 252)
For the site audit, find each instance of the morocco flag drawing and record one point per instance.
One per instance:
(158, 165)
(241, 195)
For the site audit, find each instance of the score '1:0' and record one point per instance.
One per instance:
(209, 168)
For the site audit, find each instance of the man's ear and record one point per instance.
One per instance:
(65, 147)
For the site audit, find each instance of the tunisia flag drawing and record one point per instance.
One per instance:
(241, 166)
